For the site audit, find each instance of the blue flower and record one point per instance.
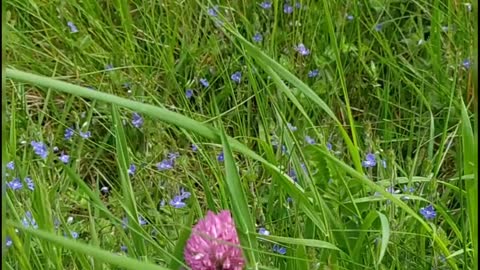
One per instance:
(266, 5)
(279, 249)
(141, 221)
(189, 93)
(313, 73)
(177, 202)
(86, 134)
(30, 184)
(293, 175)
(221, 157)
(369, 161)
(124, 223)
(298, 5)
(166, 164)
(407, 189)
(309, 140)
(40, 149)
(289, 200)
(15, 184)
(349, 17)
(131, 170)
(137, 120)
(257, 37)
(73, 27)
(302, 49)
(204, 82)
(184, 194)
(68, 133)
(236, 77)
(213, 11)
(194, 148)
(291, 127)
(28, 220)
(64, 158)
(428, 212)
(378, 27)
(263, 231)
(8, 241)
(173, 155)
(287, 9)
(329, 146)
(74, 235)
(466, 63)
(11, 165)
(104, 190)
(109, 67)
(124, 248)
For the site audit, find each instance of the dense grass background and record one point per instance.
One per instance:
(396, 79)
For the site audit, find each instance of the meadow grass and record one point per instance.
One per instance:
(340, 167)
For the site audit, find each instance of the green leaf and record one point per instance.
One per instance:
(385, 236)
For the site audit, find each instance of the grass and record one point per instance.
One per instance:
(392, 82)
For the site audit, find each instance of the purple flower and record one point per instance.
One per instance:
(178, 202)
(236, 77)
(64, 158)
(301, 49)
(11, 165)
(73, 27)
(221, 157)
(266, 5)
(313, 73)
(15, 184)
(289, 200)
(293, 175)
(137, 120)
(329, 146)
(428, 212)
(257, 37)
(173, 155)
(466, 63)
(184, 194)
(287, 9)
(194, 148)
(407, 189)
(28, 220)
(263, 231)
(68, 133)
(189, 93)
(213, 11)
(74, 235)
(379, 27)
(292, 127)
(279, 249)
(40, 149)
(141, 221)
(309, 140)
(166, 164)
(124, 248)
(30, 184)
(369, 161)
(204, 82)
(131, 170)
(213, 244)
(86, 134)
(8, 241)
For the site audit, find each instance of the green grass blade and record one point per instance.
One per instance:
(385, 236)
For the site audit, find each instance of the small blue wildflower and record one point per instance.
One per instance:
(56, 223)
(263, 231)
(329, 146)
(221, 157)
(284, 149)
(15, 184)
(466, 64)
(40, 149)
(292, 127)
(289, 200)
(298, 5)
(369, 161)
(279, 249)
(109, 67)
(127, 85)
(257, 37)
(64, 158)
(28, 220)
(293, 175)
(124, 223)
(124, 248)
(8, 241)
(74, 235)
(237, 77)
(177, 202)
(141, 221)
(287, 9)
(213, 11)
(30, 184)
(137, 120)
(313, 73)
(428, 212)
(131, 170)
(11, 165)
(266, 5)
(73, 27)
(184, 194)
(166, 164)
(162, 203)
(86, 134)
(173, 155)
(104, 190)
(302, 50)
(194, 148)
(378, 27)
(68, 133)
(309, 140)
(189, 93)
(408, 189)
(349, 17)
(392, 190)
(204, 82)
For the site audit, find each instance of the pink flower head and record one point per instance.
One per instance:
(213, 244)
